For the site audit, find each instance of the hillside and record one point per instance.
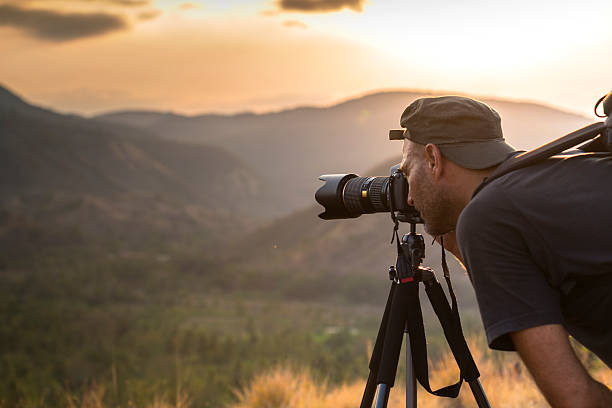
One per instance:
(293, 147)
(65, 171)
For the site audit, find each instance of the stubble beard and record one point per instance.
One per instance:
(437, 211)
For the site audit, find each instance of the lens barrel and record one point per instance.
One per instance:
(349, 196)
(366, 195)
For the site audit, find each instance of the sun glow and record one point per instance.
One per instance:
(195, 56)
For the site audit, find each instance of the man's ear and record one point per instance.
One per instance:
(434, 161)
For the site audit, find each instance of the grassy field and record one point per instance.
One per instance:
(95, 328)
(503, 376)
(141, 325)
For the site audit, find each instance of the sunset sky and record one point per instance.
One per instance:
(91, 56)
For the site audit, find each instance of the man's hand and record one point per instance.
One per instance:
(547, 353)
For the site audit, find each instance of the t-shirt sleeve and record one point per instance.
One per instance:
(512, 291)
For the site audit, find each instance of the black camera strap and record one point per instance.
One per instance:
(454, 335)
(451, 325)
(520, 160)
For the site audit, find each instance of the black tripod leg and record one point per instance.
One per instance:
(370, 389)
(479, 394)
(393, 342)
(369, 392)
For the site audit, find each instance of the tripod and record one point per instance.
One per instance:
(403, 314)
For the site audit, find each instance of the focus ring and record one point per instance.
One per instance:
(377, 194)
(366, 195)
(352, 195)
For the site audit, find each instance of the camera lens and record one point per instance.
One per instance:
(349, 196)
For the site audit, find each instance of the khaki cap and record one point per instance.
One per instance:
(466, 131)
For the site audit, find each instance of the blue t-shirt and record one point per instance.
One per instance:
(537, 244)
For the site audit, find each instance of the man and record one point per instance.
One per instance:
(537, 242)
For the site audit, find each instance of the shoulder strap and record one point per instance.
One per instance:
(557, 146)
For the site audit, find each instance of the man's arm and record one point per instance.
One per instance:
(547, 353)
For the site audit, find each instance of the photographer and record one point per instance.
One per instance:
(536, 242)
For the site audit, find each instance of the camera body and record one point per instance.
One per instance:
(349, 196)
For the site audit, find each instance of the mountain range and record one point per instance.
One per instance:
(141, 173)
(291, 148)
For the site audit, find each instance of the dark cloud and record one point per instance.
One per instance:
(320, 6)
(294, 23)
(55, 26)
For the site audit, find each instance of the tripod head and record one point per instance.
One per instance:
(410, 254)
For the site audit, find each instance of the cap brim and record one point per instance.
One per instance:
(397, 134)
(477, 155)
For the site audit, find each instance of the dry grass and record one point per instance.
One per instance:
(93, 397)
(282, 387)
(504, 379)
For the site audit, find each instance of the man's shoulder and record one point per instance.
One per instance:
(538, 183)
(487, 206)
(532, 203)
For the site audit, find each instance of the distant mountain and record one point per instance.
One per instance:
(64, 170)
(293, 147)
(8, 99)
(150, 169)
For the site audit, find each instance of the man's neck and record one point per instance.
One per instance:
(467, 181)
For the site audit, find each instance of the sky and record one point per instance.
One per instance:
(191, 57)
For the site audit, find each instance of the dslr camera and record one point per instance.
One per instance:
(348, 196)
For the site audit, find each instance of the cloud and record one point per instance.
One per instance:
(55, 26)
(149, 15)
(320, 6)
(294, 23)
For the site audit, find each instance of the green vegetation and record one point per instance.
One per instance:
(142, 324)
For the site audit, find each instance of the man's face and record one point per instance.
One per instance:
(425, 193)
